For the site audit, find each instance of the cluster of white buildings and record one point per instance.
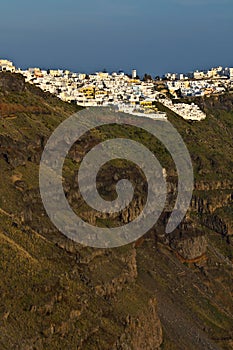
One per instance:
(218, 72)
(184, 88)
(128, 93)
(100, 89)
(199, 83)
(184, 110)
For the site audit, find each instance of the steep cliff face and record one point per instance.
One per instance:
(55, 293)
(163, 291)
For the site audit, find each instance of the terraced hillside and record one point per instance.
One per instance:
(162, 292)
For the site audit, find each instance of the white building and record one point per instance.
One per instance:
(199, 75)
(134, 74)
(7, 66)
(231, 73)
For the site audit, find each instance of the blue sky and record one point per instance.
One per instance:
(153, 36)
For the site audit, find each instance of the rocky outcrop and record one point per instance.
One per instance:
(128, 275)
(210, 202)
(219, 224)
(142, 332)
(190, 245)
(220, 102)
(12, 83)
(16, 153)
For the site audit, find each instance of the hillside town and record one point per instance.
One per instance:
(129, 93)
